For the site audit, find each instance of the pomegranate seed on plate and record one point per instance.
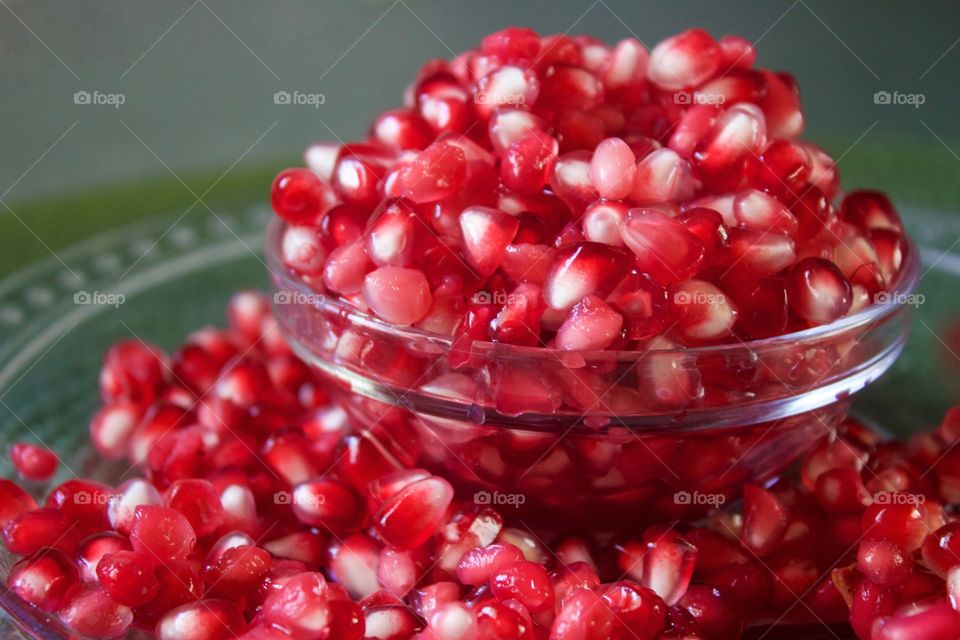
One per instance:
(819, 293)
(486, 234)
(89, 611)
(588, 268)
(612, 169)
(664, 248)
(410, 517)
(206, 619)
(757, 210)
(43, 578)
(397, 294)
(128, 577)
(162, 533)
(662, 176)
(528, 163)
(590, 324)
(302, 250)
(436, 173)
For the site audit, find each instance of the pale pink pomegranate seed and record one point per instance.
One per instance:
(206, 619)
(602, 220)
(410, 517)
(684, 60)
(528, 163)
(321, 157)
(819, 293)
(454, 621)
(527, 262)
(764, 520)
(43, 579)
(112, 428)
(590, 324)
(346, 268)
(397, 571)
(33, 461)
(353, 563)
(571, 180)
(507, 86)
(130, 495)
(579, 270)
(761, 253)
(162, 533)
(663, 246)
(667, 563)
(392, 237)
(436, 173)
(757, 210)
(429, 598)
(935, 622)
(239, 508)
(668, 377)
(302, 250)
(486, 234)
(702, 311)
(662, 176)
(612, 169)
(626, 65)
(507, 125)
(89, 611)
(397, 294)
(390, 622)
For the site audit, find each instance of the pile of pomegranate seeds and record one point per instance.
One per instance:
(580, 196)
(262, 513)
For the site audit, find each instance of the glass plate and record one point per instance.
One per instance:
(53, 341)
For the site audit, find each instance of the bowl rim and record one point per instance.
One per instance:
(905, 285)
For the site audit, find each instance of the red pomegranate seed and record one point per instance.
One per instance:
(662, 176)
(714, 611)
(884, 562)
(301, 607)
(584, 615)
(760, 253)
(397, 294)
(756, 210)
(199, 502)
(486, 234)
(841, 490)
(162, 533)
(685, 60)
(390, 622)
(298, 196)
(206, 619)
(401, 129)
(897, 518)
(737, 52)
(130, 495)
(128, 577)
(602, 220)
(612, 169)
(43, 578)
(353, 563)
(664, 248)
(869, 210)
(528, 163)
(765, 520)
(89, 611)
(638, 611)
(393, 238)
(507, 86)
(941, 549)
(738, 133)
(781, 105)
(526, 582)
(38, 528)
(326, 503)
(346, 268)
(13, 501)
(477, 565)
(436, 173)
(571, 181)
(702, 311)
(410, 517)
(508, 125)
(512, 44)
(132, 371)
(936, 622)
(819, 293)
(588, 268)
(33, 461)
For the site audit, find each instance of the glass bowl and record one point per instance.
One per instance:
(605, 437)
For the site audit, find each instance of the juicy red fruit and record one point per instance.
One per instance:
(298, 196)
(33, 461)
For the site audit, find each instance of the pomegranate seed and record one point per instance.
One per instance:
(581, 270)
(897, 518)
(93, 549)
(936, 622)
(702, 311)
(38, 528)
(321, 157)
(353, 563)
(298, 196)
(602, 220)
(301, 607)
(89, 611)
(410, 517)
(761, 253)
(202, 620)
(737, 52)
(528, 163)
(941, 549)
(756, 210)
(738, 133)
(662, 176)
(869, 210)
(526, 582)
(453, 621)
(32, 461)
(390, 622)
(399, 128)
(302, 250)
(884, 562)
(132, 372)
(436, 173)
(13, 501)
(128, 577)
(477, 565)
(398, 295)
(764, 520)
(508, 85)
(43, 578)
(162, 533)
(819, 293)
(638, 611)
(612, 169)
(584, 615)
(327, 503)
(507, 126)
(590, 324)
(512, 44)
(685, 60)
(714, 610)
(486, 234)
(664, 248)
(781, 105)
